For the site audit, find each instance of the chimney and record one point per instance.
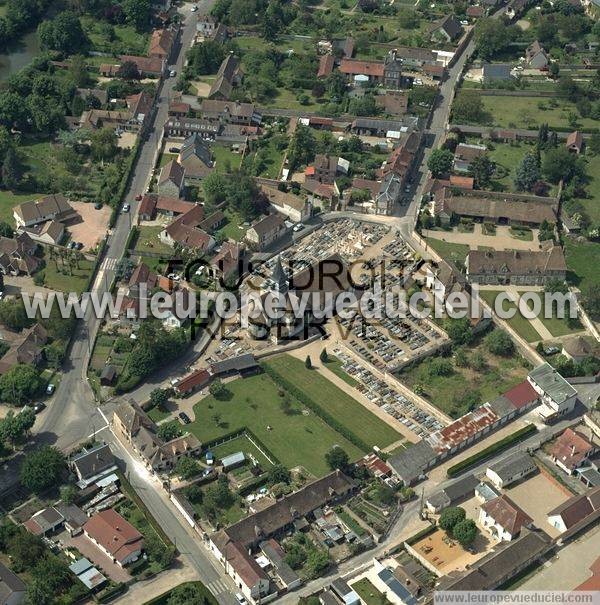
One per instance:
(572, 450)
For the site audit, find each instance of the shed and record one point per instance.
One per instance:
(108, 375)
(233, 460)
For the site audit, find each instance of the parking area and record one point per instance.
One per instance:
(91, 226)
(537, 496)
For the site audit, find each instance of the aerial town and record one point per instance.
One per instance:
(290, 168)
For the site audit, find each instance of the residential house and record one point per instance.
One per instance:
(446, 29)
(442, 280)
(503, 518)
(392, 72)
(12, 588)
(179, 109)
(487, 206)
(578, 348)
(511, 469)
(132, 424)
(152, 67)
(153, 204)
(344, 593)
(465, 154)
(185, 230)
(294, 207)
(522, 267)
(161, 43)
(326, 65)
(18, 255)
(401, 160)
(53, 207)
(229, 261)
(571, 451)
(90, 464)
(266, 231)
(50, 232)
(536, 57)
(355, 70)
(392, 129)
(28, 348)
(198, 379)
(45, 521)
(389, 194)
(233, 545)
(577, 512)
(196, 158)
(171, 180)
(452, 494)
(574, 142)
(557, 395)
(325, 168)
(141, 107)
(229, 76)
(95, 119)
(206, 25)
(115, 537)
(230, 112)
(276, 555)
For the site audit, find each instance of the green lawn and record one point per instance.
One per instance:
(240, 444)
(8, 200)
(267, 158)
(60, 277)
(334, 401)
(225, 159)
(449, 393)
(148, 241)
(165, 158)
(583, 260)
(157, 414)
(127, 40)
(335, 365)
(591, 203)
(525, 112)
(163, 599)
(507, 157)
(518, 323)
(454, 252)
(293, 437)
(232, 230)
(369, 594)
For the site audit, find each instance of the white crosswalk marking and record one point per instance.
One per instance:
(108, 264)
(218, 587)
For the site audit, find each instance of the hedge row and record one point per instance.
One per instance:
(316, 408)
(240, 433)
(421, 534)
(111, 592)
(491, 450)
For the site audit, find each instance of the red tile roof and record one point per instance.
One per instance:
(464, 182)
(192, 381)
(592, 583)
(507, 514)
(116, 535)
(522, 395)
(326, 63)
(571, 449)
(367, 68)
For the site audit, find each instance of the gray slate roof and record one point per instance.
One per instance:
(515, 464)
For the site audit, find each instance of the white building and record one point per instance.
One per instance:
(557, 395)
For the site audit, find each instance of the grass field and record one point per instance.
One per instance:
(369, 594)
(148, 241)
(126, 39)
(454, 252)
(583, 260)
(591, 203)
(335, 365)
(294, 437)
(448, 393)
(518, 323)
(508, 157)
(232, 230)
(8, 200)
(267, 159)
(75, 279)
(525, 112)
(225, 159)
(165, 158)
(240, 444)
(336, 402)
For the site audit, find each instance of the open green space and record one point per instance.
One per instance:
(294, 435)
(240, 444)
(225, 159)
(163, 599)
(369, 594)
(507, 157)
(234, 227)
(118, 39)
(583, 260)
(266, 157)
(454, 252)
(8, 200)
(591, 203)
(157, 414)
(148, 241)
(335, 365)
(165, 158)
(518, 323)
(67, 276)
(530, 112)
(456, 392)
(346, 410)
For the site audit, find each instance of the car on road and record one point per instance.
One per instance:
(138, 197)
(50, 389)
(172, 73)
(126, 207)
(38, 407)
(184, 418)
(240, 598)
(98, 205)
(298, 227)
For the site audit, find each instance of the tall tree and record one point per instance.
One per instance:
(527, 173)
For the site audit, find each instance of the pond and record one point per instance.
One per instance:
(20, 55)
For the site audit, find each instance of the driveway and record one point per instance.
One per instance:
(89, 550)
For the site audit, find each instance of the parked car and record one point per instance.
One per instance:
(138, 197)
(298, 227)
(71, 245)
(240, 598)
(39, 407)
(78, 246)
(98, 205)
(174, 150)
(50, 389)
(173, 73)
(126, 207)
(194, 8)
(184, 418)
(551, 350)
